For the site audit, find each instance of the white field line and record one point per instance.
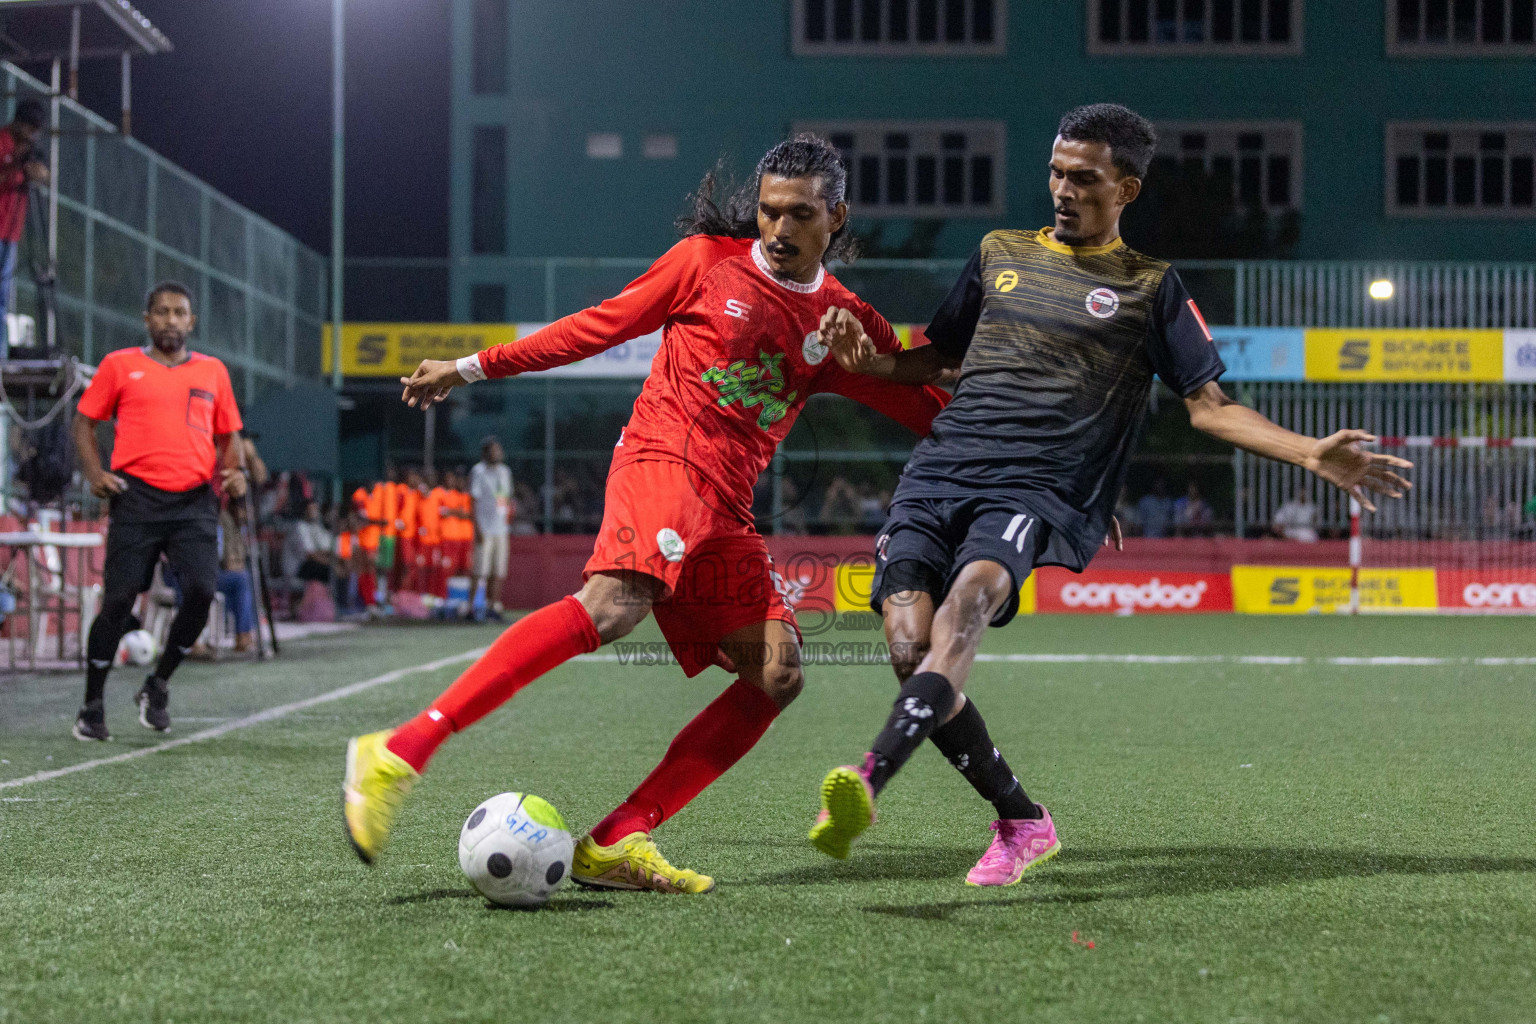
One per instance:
(270, 714)
(648, 659)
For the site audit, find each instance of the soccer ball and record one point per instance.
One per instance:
(515, 849)
(137, 648)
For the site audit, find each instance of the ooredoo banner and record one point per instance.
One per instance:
(1131, 593)
(1488, 590)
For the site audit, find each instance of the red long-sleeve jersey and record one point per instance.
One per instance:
(739, 356)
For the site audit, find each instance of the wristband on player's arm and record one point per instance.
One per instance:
(470, 369)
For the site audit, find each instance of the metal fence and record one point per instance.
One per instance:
(126, 217)
(1462, 492)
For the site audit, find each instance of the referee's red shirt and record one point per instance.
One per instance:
(167, 416)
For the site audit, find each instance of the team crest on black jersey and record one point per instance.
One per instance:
(1102, 303)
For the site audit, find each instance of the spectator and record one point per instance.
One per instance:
(1125, 512)
(1297, 519)
(839, 507)
(1192, 515)
(307, 553)
(235, 577)
(19, 167)
(490, 484)
(1155, 510)
(872, 505)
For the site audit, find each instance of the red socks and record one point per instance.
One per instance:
(530, 647)
(717, 738)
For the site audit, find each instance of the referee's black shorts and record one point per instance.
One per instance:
(146, 522)
(927, 541)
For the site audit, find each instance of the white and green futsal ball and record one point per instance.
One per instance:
(515, 849)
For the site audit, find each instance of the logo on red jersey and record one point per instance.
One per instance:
(737, 309)
(1102, 303)
(754, 386)
(813, 348)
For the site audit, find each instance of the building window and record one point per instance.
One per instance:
(1493, 28)
(1439, 169)
(661, 146)
(1261, 159)
(487, 303)
(900, 27)
(1194, 26)
(920, 168)
(488, 190)
(605, 146)
(489, 48)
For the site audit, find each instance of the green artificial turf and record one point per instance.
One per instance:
(1241, 842)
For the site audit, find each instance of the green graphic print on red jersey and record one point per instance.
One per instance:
(753, 386)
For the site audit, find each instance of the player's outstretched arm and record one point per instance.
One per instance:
(431, 382)
(1336, 458)
(855, 352)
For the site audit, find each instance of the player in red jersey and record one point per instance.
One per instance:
(738, 301)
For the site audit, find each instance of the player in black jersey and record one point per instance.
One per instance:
(1057, 334)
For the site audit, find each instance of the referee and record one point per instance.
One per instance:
(172, 409)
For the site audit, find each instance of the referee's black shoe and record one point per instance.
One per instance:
(91, 723)
(153, 698)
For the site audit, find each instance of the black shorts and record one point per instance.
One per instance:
(145, 523)
(927, 541)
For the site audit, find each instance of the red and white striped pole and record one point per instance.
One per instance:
(1354, 556)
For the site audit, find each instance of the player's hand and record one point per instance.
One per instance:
(431, 382)
(104, 485)
(1114, 537)
(842, 333)
(1339, 460)
(234, 482)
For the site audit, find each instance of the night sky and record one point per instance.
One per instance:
(244, 102)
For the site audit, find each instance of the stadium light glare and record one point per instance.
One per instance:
(1382, 289)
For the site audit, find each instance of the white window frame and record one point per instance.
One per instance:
(1206, 48)
(1450, 211)
(992, 134)
(1169, 144)
(1450, 48)
(998, 47)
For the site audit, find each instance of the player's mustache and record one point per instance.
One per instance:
(783, 249)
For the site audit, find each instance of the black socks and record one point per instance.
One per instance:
(964, 741)
(925, 700)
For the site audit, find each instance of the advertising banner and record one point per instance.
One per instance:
(1488, 590)
(395, 350)
(1131, 593)
(1405, 355)
(1294, 590)
(1262, 353)
(856, 580)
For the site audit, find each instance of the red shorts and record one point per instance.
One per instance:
(716, 569)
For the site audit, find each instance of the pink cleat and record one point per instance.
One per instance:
(1021, 844)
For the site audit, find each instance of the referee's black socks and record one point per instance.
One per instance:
(965, 742)
(925, 700)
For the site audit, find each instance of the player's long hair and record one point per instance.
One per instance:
(802, 156)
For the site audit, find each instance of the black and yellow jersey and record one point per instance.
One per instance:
(1060, 345)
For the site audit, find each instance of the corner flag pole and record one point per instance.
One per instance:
(1354, 556)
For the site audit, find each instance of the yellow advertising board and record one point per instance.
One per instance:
(856, 583)
(1298, 590)
(395, 350)
(1404, 355)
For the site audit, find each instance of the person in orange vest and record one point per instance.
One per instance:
(352, 559)
(459, 525)
(368, 506)
(430, 536)
(408, 525)
(388, 492)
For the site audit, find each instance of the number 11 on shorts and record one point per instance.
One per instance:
(1014, 524)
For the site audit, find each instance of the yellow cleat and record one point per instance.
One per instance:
(377, 783)
(847, 809)
(632, 863)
